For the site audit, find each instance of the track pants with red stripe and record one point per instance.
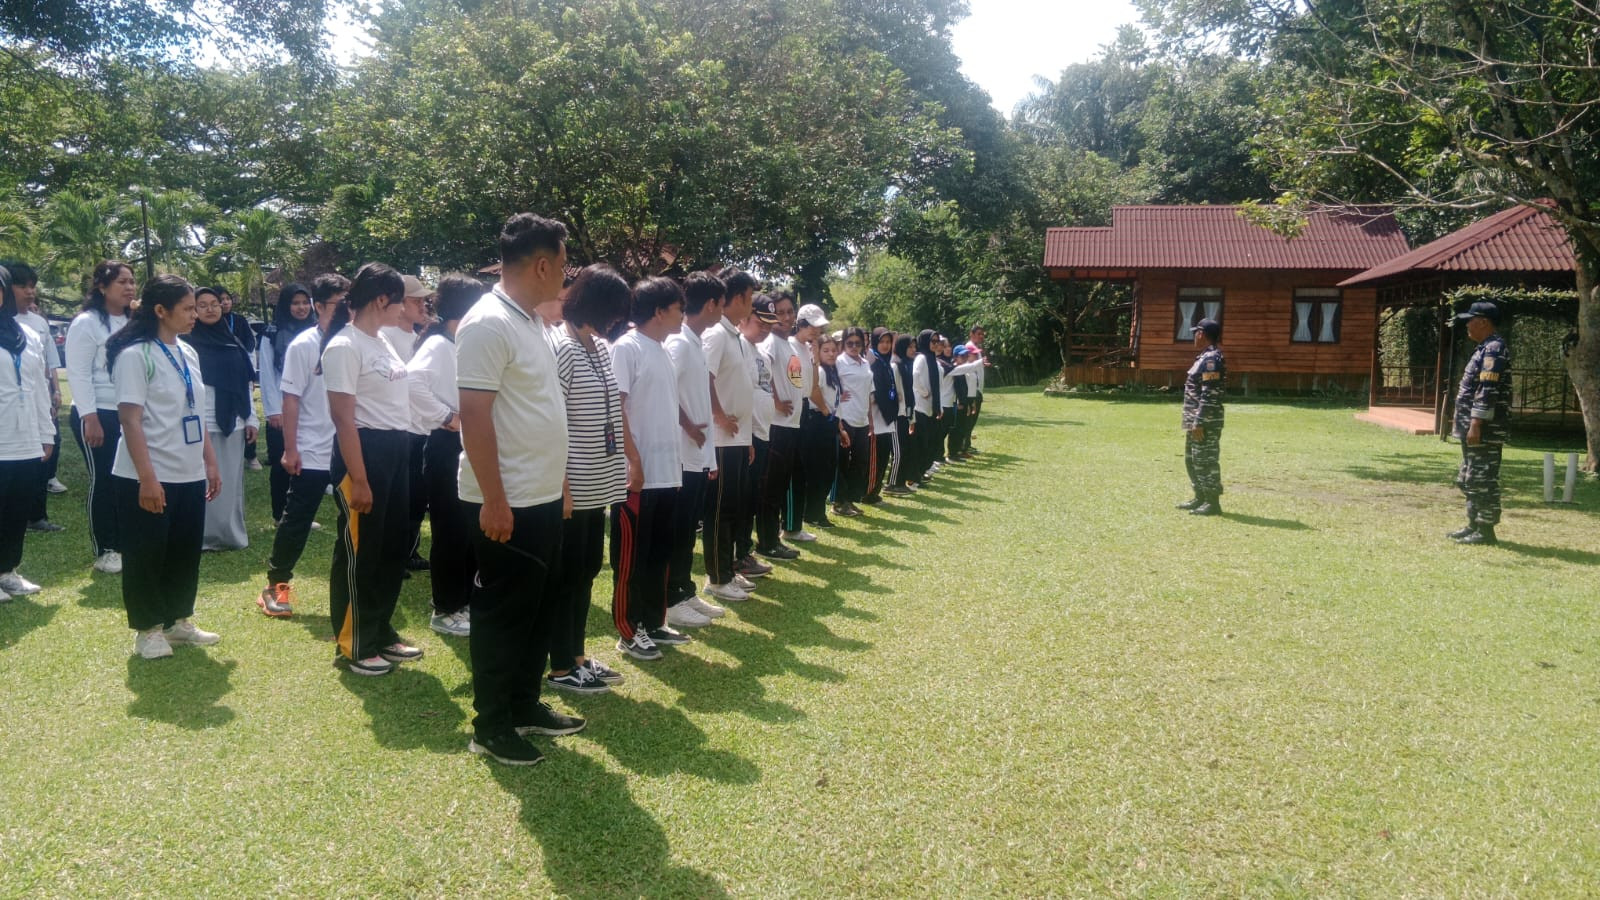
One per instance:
(641, 549)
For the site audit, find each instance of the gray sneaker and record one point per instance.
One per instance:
(456, 624)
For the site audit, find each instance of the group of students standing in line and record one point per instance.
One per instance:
(521, 419)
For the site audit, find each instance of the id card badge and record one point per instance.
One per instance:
(192, 433)
(611, 439)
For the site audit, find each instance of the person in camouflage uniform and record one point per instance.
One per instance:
(1483, 405)
(1202, 421)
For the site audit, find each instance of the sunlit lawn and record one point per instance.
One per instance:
(1034, 678)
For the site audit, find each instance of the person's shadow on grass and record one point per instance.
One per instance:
(1265, 522)
(185, 689)
(596, 841)
(1565, 554)
(21, 616)
(409, 709)
(652, 739)
(101, 592)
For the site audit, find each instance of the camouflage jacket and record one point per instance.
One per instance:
(1485, 391)
(1203, 390)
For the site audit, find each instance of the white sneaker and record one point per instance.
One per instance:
(709, 610)
(744, 584)
(730, 592)
(17, 586)
(5, 597)
(684, 615)
(152, 644)
(455, 624)
(110, 562)
(800, 537)
(315, 525)
(254, 466)
(55, 486)
(185, 632)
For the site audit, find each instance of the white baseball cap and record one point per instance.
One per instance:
(812, 314)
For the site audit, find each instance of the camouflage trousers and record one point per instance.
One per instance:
(1479, 479)
(1203, 459)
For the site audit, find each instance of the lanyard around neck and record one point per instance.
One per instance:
(183, 370)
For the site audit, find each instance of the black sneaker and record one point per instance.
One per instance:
(603, 672)
(750, 567)
(1481, 535)
(509, 749)
(400, 651)
(782, 551)
(641, 647)
(417, 564)
(898, 490)
(1208, 508)
(872, 501)
(823, 522)
(548, 721)
(45, 526)
(1192, 503)
(578, 681)
(1460, 533)
(669, 636)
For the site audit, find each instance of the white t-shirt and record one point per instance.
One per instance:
(597, 478)
(47, 344)
(148, 377)
(780, 355)
(403, 340)
(87, 375)
(761, 377)
(694, 398)
(314, 432)
(802, 370)
(500, 348)
(431, 374)
(730, 359)
(355, 362)
(879, 424)
(644, 373)
(922, 386)
(25, 421)
(857, 378)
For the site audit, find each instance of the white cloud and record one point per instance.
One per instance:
(1005, 43)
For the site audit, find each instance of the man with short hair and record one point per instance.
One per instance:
(815, 461)
(733, 406)
(1483, 408)
(787, 403)
(975, 338)
(702, 308)
(754, 329)
(513, 469)
(25, 287)
(1203, 392)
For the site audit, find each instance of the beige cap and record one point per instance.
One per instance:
(415, 287)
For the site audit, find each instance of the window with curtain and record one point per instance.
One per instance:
(1194, 304)
(1317, 315)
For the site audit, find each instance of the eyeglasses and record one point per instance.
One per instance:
(852, 343)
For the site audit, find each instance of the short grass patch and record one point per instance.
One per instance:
(1034, 678)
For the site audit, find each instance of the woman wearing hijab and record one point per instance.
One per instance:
(885, 411)
(291, 317)
(927, 403)
(26, 429)
(229, 416)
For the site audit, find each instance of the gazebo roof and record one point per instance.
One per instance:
(1520, 240)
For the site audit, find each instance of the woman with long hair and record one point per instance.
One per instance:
(95, 423)
(597, 469)
(161, 397)
(927, 405)
(856, 445)
(902, 476)
(822, 437)
(291, 316)
(885, 412)
(371, 409)
(27, 426)
(436, 408)
(230, 417)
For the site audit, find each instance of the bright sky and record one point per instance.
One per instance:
(1004, 43)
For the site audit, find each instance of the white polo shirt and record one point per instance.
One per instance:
(313, 433)
(730, 358)
(780, 358)
(357, 363)
(694, 398)
(644, 374)
(500, 348)
(432, 376)
(857, 379)
(761, 377)
(26, 425)
(144, 375)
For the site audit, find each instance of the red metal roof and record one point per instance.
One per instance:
(1520, 239)
(1220, 237)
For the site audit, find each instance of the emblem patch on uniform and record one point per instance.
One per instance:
(1210, 376)
(1487, 375)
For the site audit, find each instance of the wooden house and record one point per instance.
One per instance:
(1287, 323)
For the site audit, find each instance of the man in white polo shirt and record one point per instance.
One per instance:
(702, 308)
(728, 355)
(787, 401)
(513, 467)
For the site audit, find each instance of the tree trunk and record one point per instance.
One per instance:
(1583, 363)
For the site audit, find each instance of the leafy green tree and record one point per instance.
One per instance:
(80, 230)
(253, 242)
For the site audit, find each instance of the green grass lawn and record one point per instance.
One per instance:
(1035, 678)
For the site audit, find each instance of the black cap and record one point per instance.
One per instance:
(1483, 308)
(765, 309)
(1211, 328)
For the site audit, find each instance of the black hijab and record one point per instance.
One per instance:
(225, 369)
(11, 336)
(925, 348)
(285, 327)
(902, 361)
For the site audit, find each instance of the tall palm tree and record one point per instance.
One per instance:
(80, 231)
(177, 219)
(254, 241)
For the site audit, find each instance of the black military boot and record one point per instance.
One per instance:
(1191, 504)
(1460, 533)
(1483, 534)
(1211, 507)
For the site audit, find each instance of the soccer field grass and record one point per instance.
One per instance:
(1034, 678)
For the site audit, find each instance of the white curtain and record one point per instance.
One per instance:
(1213, 309)
(1302, 321)
(1330, 313)
(1185, 320)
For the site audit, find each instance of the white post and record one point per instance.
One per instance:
(1572, 478)
(1549, 478)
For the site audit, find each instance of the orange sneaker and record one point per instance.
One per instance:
(276, 600)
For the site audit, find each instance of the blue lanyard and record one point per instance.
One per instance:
(16, 360)
(188, 383)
